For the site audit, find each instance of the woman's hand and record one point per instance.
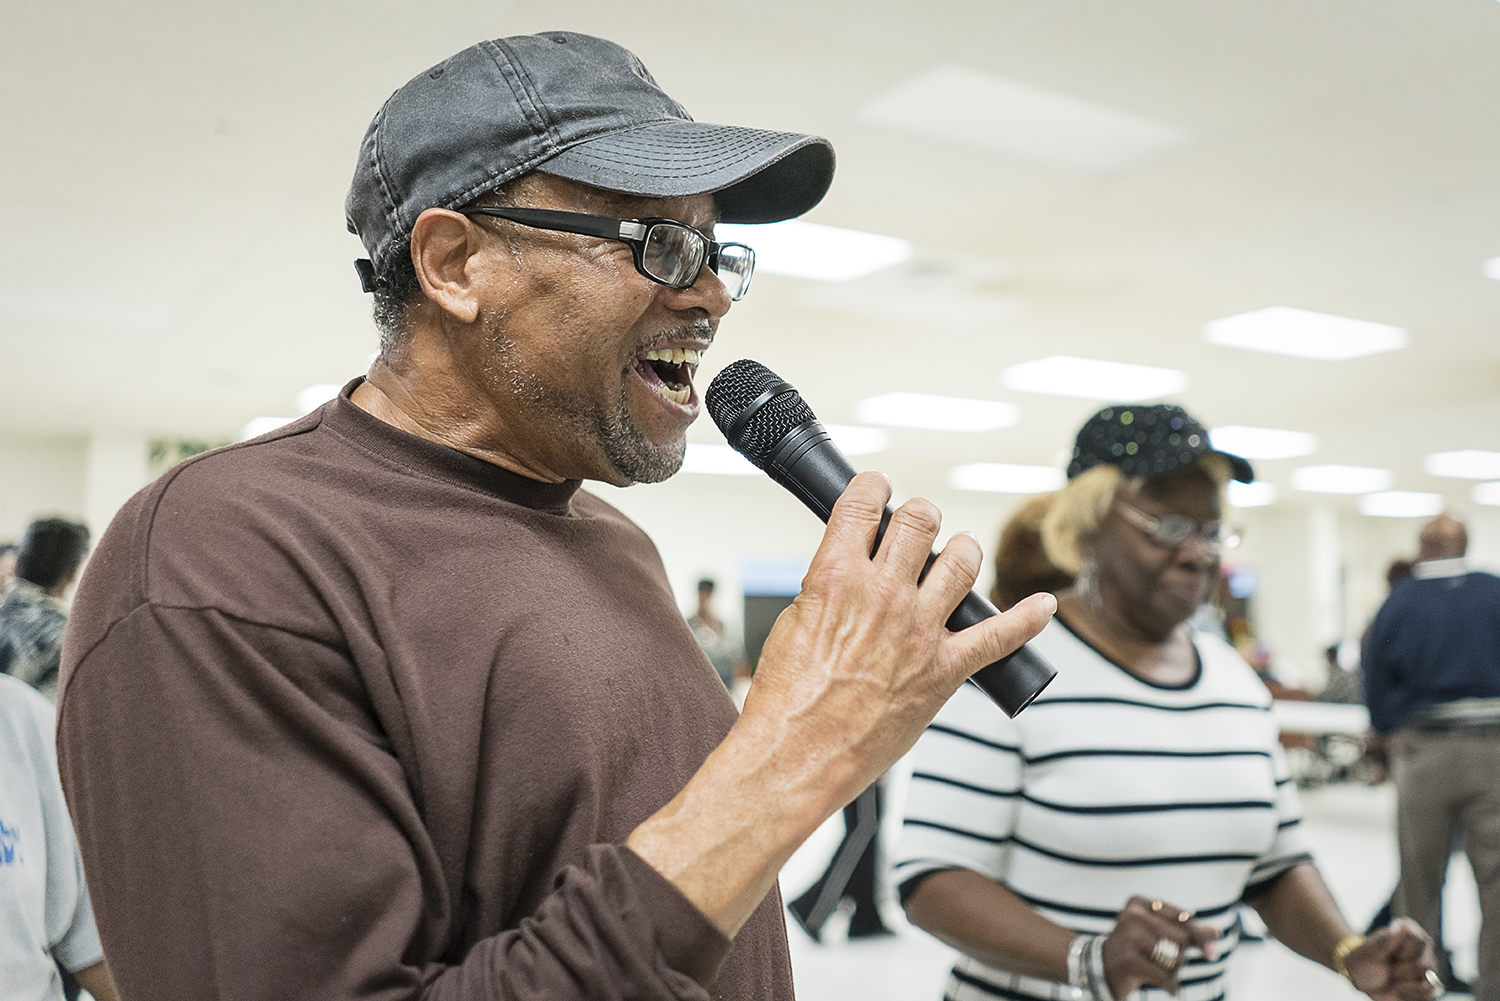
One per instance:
(1149, 944)
(1393, 963)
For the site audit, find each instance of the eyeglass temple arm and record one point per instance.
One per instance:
(568, 222)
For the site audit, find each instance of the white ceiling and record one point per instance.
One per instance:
(176, 263)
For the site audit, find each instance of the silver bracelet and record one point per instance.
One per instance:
(1098, 985)
(1075, 962)
(1086, 968)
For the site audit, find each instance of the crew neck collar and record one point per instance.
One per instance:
(1452, 567)
(1180, 687)
(443, 462)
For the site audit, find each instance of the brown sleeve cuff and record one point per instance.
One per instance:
(688, 941)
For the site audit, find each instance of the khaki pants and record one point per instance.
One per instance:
(1446, 781)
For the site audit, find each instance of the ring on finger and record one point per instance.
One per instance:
(1165, 953)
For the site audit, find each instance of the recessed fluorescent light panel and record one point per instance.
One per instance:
(258, 426)
(1005, 478)
(809, 250)
(1257, 494)
(1262, 443)
(716, 460)
(937, 413)
(1303, 333)
(316, 395)
(964, 107)
(852, 439)
(1487, 494)
(1465, 464)
(1092, 379)
(1492, 268)
(1401, 504)
(1341, 479)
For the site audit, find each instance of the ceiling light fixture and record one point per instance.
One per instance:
(1401, 504)
(1092, 379)
(316, 395)
(258, 426)
(853, 439)
(1492, 268)
(1487, 494)
(1257, 494)
(716, 460)
(809, 250)
(1005, 478)
(1303, 333)
(975, 110)
(1262, 443)
(936, 413)
(1334, 479)
(1465, 464)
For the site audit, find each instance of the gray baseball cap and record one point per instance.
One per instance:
(574, 106)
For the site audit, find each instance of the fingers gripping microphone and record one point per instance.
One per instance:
(767, 421)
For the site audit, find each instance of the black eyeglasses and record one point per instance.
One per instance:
(668, 252)
(1175, 530)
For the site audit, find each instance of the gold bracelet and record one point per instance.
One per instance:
(1341, 952)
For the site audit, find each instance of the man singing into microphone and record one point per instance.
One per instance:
(383, 705)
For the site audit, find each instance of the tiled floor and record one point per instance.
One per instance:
(1351, 830)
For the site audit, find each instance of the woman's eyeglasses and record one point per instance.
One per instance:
(668, 252)
(1175, 530)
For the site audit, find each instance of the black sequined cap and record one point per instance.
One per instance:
(1149, 441)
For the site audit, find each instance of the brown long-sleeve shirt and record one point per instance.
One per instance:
(347, 713)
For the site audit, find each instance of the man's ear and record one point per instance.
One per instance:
(443, 247)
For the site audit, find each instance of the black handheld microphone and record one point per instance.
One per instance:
(766, 420)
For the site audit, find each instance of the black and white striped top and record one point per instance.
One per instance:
(1104, 788)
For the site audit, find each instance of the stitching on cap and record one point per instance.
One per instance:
(511, 73)
(390, 208)
(526, 91)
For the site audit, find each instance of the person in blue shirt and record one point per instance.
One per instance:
(1432, 683)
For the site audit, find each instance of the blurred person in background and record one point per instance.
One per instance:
(46, 924)
(1104, 838)
(1432, 685)
(724, 651)
(1021, 564)
(33, 613)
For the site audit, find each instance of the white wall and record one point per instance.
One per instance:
(81, 478)
(1300, 566)
(39, 476)
(115, 467)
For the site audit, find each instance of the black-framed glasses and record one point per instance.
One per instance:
(1175, 530)
(668, 252)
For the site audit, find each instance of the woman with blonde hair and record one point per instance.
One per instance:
(1098, 845)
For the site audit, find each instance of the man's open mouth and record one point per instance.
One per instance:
(669, 371)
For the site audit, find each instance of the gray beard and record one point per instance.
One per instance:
(627, 449)
(637, 459)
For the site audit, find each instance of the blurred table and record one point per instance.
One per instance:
(1325, 741)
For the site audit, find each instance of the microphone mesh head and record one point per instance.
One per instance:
(734, 389)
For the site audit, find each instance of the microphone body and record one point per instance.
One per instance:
(804, 460)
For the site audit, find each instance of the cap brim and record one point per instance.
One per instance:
(756, 176)
(1239, 468)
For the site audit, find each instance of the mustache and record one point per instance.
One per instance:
(702, 330)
